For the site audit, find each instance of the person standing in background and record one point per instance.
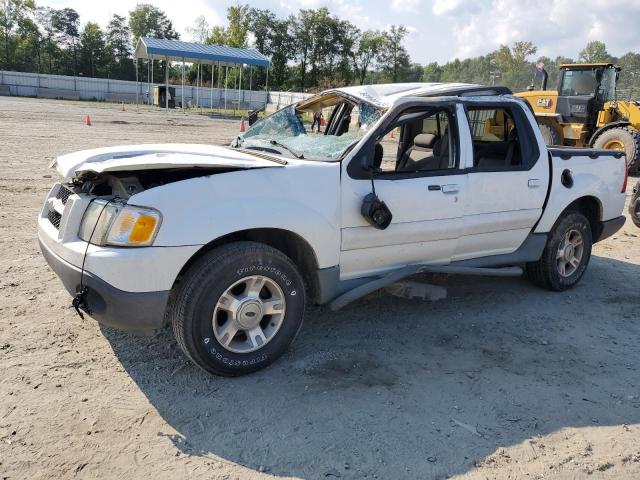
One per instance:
(317, 118)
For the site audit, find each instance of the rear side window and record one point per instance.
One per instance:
(501, 141)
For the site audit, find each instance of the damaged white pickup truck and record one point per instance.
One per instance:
(228, 244)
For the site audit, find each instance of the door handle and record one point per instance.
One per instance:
(534, 182)
(451, 188)
(434, 187)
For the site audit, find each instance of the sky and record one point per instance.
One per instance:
(439, 30)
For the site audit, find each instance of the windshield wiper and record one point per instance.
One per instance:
(287, 148)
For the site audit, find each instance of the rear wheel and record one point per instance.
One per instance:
(566, 255)
(238, 308)
(624, 139)
(549, 134)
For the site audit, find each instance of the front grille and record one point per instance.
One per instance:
(63, 194)
(54, 217)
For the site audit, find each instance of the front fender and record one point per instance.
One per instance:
(301, 198)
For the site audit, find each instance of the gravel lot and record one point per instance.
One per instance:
(499, 380)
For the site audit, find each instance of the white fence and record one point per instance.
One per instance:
(57, 86)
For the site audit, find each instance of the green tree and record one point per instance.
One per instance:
(271, 39)
(148, 21)
(261, 24)
(282, 44)
(238, 18)
(66, 23)
(51, 51)
(29, 46)
(217, 36)
(432, 72)
(200, 30)
(301, 28)
(629, 82)
(118, 37)
(394, 58)
(12, 14)
(118, 44)
(93, 51)
(594, 51)
(522, 50)
(367, 50)
(236, 34)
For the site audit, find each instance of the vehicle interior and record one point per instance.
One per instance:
(495, 139)
(420, 141)
(340, 114)
(425, 142)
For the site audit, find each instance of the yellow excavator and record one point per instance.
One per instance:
(583, 111)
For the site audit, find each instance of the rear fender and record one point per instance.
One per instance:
(587, 181)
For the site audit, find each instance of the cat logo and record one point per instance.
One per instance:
(544, 102)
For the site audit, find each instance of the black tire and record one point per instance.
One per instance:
(629, 137)
(545, 272)
(549, 134)
(634, 205)
(191, 312)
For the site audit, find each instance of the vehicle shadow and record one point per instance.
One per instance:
(392, 388)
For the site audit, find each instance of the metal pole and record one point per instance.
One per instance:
(197, 89)
(166, 81)
(148, 84)
(239, 84)
(182, 102)
(219, 84)
(250, 85)
(211, 92)
(151, 89)
(267, 87)
(136, 83)
(226, 80)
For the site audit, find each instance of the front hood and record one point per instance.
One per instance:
(158, 156)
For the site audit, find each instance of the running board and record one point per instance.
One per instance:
(370, 287)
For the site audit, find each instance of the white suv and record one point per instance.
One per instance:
(229, 243)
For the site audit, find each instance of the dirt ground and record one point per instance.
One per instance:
(500, 380)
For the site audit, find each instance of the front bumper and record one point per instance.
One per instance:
(137, 312)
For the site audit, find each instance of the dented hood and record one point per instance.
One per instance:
(160, 156)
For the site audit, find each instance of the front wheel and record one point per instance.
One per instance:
(238, 308)
(566, 255)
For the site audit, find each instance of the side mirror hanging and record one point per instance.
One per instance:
(374, 210)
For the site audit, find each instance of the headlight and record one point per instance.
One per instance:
(119, 224)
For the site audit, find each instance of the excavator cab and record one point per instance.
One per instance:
(584, 89)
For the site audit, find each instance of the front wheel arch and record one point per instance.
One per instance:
(291, 244)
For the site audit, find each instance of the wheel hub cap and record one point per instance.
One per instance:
(248, 314)
(570, 253)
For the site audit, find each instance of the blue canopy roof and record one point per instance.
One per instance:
(176, 50)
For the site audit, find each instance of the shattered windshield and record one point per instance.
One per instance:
(321, 128)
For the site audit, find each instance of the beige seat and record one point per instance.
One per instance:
(428, 152)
